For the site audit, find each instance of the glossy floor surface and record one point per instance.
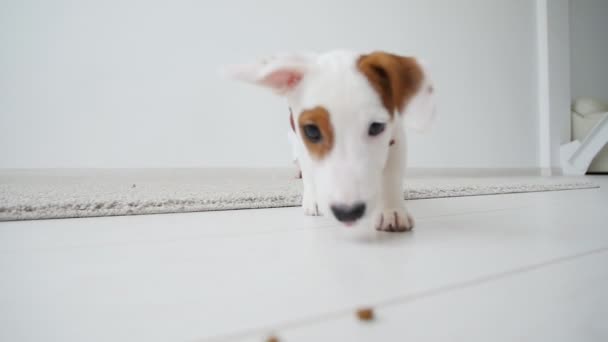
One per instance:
(521, 267)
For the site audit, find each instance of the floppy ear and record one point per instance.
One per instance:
(280, 73)
(420, 112)
(404, 86)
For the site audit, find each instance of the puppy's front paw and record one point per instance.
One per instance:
(394, 220)
(310, 206)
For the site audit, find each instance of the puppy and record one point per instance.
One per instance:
(349, 113)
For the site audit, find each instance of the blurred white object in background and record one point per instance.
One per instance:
(588, 151)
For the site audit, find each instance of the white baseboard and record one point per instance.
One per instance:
(411, 171)
(481, 172)
(555, 171)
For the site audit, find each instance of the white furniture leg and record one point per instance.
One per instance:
(576, 155)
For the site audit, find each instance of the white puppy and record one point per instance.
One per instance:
(349, 113)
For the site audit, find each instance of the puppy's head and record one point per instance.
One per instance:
(347, 109)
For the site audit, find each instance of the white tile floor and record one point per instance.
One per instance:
(524, 267)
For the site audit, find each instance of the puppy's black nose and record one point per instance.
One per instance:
(345, 213)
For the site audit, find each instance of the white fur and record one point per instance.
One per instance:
(359, 168)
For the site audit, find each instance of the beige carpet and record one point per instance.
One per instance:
(44, 194)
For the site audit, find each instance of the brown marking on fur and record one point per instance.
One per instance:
(395, 78)
(318, 116)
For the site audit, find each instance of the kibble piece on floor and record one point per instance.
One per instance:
(272, 339)
(365, 314)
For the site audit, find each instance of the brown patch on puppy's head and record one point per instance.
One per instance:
(395, 78)
(316, 131)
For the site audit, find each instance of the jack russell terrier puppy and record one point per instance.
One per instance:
(349, 112)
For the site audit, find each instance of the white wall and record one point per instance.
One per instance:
(559, 68)
(553, 39)
(133, 83)
(589, 54)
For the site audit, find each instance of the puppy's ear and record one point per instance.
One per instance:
(403, 84)
(420, 112)
(279, 73)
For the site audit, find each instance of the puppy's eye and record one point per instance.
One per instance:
(313, 133)
(376, 128)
